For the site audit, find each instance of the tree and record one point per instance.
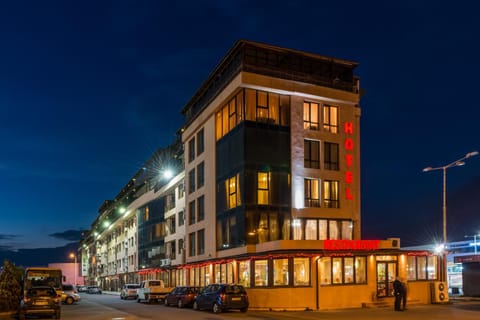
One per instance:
(10, 287)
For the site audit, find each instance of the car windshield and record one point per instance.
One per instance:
(67, 287)
(133, 286)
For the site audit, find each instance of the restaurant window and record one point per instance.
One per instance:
(330, 118)
(200, 142)
(311, 116)
(311, 153)
(360, 269)
(301, 271)
(244, 273)
(280, 272)
(331, 156)
(348, 269)
(312, 193)
(421, 268)
(331, 194)
(261, 273)
(263, 187)
(342, 270)
(191, 150)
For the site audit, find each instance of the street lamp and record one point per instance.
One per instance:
(74, 256)
(456, 163)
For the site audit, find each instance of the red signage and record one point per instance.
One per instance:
(349, 146)
(351, 244)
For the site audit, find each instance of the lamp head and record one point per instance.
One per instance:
(427, 169)
(471, 154)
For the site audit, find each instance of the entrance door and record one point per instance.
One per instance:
(386, 273)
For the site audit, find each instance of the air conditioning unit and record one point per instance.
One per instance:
(439, 292)
(395, 242)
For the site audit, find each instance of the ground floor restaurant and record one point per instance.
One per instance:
(340, 274)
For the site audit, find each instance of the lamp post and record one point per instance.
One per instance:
(74, 256)
(456, 163)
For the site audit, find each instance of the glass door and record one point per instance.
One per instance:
(386, 273)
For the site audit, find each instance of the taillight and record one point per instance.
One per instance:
(26, 300)
(222, 297)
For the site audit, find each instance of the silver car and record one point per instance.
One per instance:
(94, 290)
(69, 294)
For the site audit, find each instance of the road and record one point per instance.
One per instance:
(110, 307)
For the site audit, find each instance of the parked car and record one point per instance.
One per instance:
(94, 290)
(82, 288)
(181, 296)
(40, 301)
(129, 291)
(221, 297)
(69, 294)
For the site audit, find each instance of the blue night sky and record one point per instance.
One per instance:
(90, 89)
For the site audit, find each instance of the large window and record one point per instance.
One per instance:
(191, 212)
(421, 268)
(322, 229)
(331, 194)
(252, 105)
(311, 115)
(312, 193)
(200, 175)
(330, 118)
(200, 142)
(342, 270)
(331, 152)
(191, 150)
(191, 244)
(232, 187)
(191, 181)
(201, 208)
(201, 241)
(263, 187)
(312, 154)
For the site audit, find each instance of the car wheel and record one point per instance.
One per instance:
(180, 303)
(69, 300)
(244, 309)
(216, 308)
(195, 306)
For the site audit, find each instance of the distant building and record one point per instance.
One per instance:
(70, 271)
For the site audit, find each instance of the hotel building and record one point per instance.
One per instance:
(272, 189)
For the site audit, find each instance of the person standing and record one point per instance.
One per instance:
(404, 295)
(397, 291)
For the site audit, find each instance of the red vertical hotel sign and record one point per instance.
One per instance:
(349, 145)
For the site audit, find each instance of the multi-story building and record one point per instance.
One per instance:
(269, 196)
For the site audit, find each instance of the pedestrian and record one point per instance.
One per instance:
(404, 295)
(397, 291)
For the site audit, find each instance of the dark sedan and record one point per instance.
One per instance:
(181, 296)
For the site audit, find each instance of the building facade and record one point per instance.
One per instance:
(271, 181)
